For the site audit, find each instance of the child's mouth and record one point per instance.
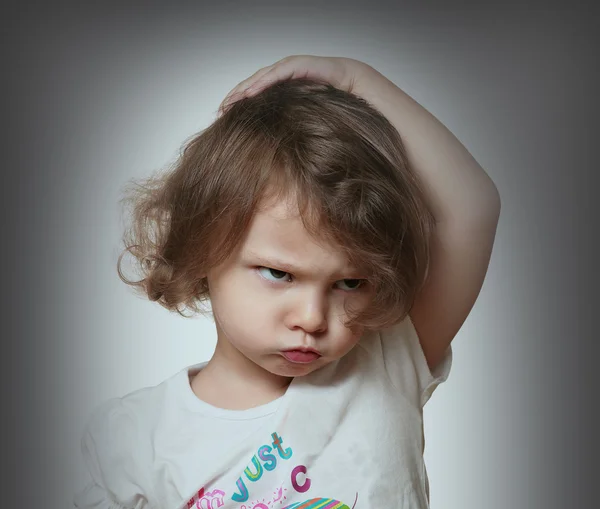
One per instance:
(300, 357)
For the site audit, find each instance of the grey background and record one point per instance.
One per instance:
(97, 95)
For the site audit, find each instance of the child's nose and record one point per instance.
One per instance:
(309, 313)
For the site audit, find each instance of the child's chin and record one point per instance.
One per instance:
(287, 368)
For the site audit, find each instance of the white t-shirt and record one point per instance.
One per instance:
(349, 435)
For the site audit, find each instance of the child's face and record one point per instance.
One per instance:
(260, 312)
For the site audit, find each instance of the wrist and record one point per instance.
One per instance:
(371, 85)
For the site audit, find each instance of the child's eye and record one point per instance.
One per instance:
(356, 283)
(279, 275)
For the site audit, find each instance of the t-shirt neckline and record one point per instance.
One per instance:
(197, 405)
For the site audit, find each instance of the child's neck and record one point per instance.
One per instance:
(234, 383)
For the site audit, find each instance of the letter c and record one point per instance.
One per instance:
(300, 469)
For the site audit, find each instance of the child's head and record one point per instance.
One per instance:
(303, 174)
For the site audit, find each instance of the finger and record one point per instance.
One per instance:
(275, 75)
(254, 84)
(237, 92)
(290, 69)
(240, 87)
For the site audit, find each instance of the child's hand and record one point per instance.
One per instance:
(340, 72)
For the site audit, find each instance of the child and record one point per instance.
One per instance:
(340, 261)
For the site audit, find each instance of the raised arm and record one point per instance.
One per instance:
(465, 203)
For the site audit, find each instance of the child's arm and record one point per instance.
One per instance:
(462, 197)
(465, 203)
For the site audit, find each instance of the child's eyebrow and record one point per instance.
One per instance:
(274, 262)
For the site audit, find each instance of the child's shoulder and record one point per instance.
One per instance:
(397, 351)
(123, 418)
(118, 438)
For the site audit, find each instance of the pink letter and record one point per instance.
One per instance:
(306, 486)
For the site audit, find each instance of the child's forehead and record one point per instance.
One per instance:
(278, 208)
(279, 229)
(280, 222)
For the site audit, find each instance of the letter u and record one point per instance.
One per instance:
(259, 470)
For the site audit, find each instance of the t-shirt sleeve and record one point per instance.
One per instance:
(107, 447)
(405, 363)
